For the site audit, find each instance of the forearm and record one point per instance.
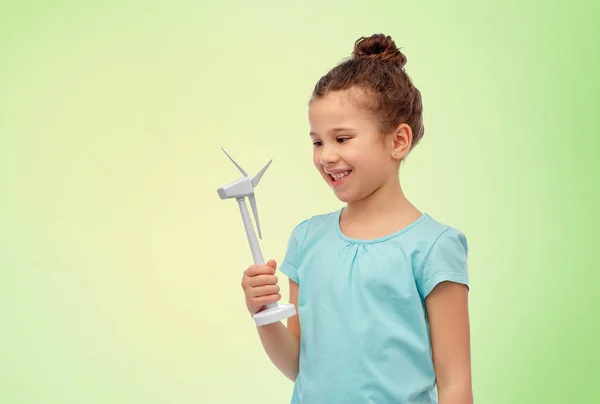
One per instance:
(282, 347)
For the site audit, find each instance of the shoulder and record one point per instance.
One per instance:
(448, 252)
(305, 234)
(314, 225)
(437, 235)
(437, 244)
(442, 256)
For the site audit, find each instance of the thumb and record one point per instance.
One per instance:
(273, 264)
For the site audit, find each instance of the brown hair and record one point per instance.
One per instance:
(376, 67)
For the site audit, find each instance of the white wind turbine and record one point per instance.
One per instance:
(240, 189)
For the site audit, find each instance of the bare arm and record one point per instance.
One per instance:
(281, 343)
(447, 308)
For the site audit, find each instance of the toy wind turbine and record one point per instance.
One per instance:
(239, 190)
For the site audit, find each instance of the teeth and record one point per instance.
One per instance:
(339, 176)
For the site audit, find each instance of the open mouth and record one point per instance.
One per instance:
(339, 178)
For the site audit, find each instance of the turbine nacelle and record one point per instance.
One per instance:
(237, 189)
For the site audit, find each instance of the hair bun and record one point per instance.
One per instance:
(379, 47)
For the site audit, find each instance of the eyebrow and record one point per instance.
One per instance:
(335, 130)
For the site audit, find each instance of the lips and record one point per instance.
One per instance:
(339, 177)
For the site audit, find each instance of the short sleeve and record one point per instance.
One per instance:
(446, 261)
(290, 264)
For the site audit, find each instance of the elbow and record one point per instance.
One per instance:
(291, 367)
(292, 374)
(455, 392)
(455, 387)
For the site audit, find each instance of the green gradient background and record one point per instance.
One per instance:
(120, 266)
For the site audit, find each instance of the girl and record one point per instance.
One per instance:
(380, 287)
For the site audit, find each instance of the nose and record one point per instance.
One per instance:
(328, 155)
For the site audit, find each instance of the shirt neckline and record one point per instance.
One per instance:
(378, 239)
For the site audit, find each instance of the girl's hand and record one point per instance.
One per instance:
(260, 286)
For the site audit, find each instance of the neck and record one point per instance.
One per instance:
(384, 202)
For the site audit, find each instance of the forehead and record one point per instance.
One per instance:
(339, 109)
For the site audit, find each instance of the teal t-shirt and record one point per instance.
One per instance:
(364, 330)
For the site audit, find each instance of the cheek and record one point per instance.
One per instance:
(371, 164)
(364, 159)
(317, 159)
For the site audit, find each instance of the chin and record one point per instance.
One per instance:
(344, 199)
(347, 197)
(352, 196)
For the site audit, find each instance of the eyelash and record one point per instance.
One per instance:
(315, 143)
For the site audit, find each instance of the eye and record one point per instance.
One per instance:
(342, 139)
(316, 143)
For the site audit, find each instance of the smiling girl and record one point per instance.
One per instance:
(381, 288)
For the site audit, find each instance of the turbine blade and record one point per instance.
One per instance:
(236, 164)
(258, 176)
(255, 211)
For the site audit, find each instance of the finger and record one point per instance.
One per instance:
(261, 280)
(254, 270)
(272, 264)
(262, 300)
(263, 291)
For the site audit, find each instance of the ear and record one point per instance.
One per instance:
(401, 141)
